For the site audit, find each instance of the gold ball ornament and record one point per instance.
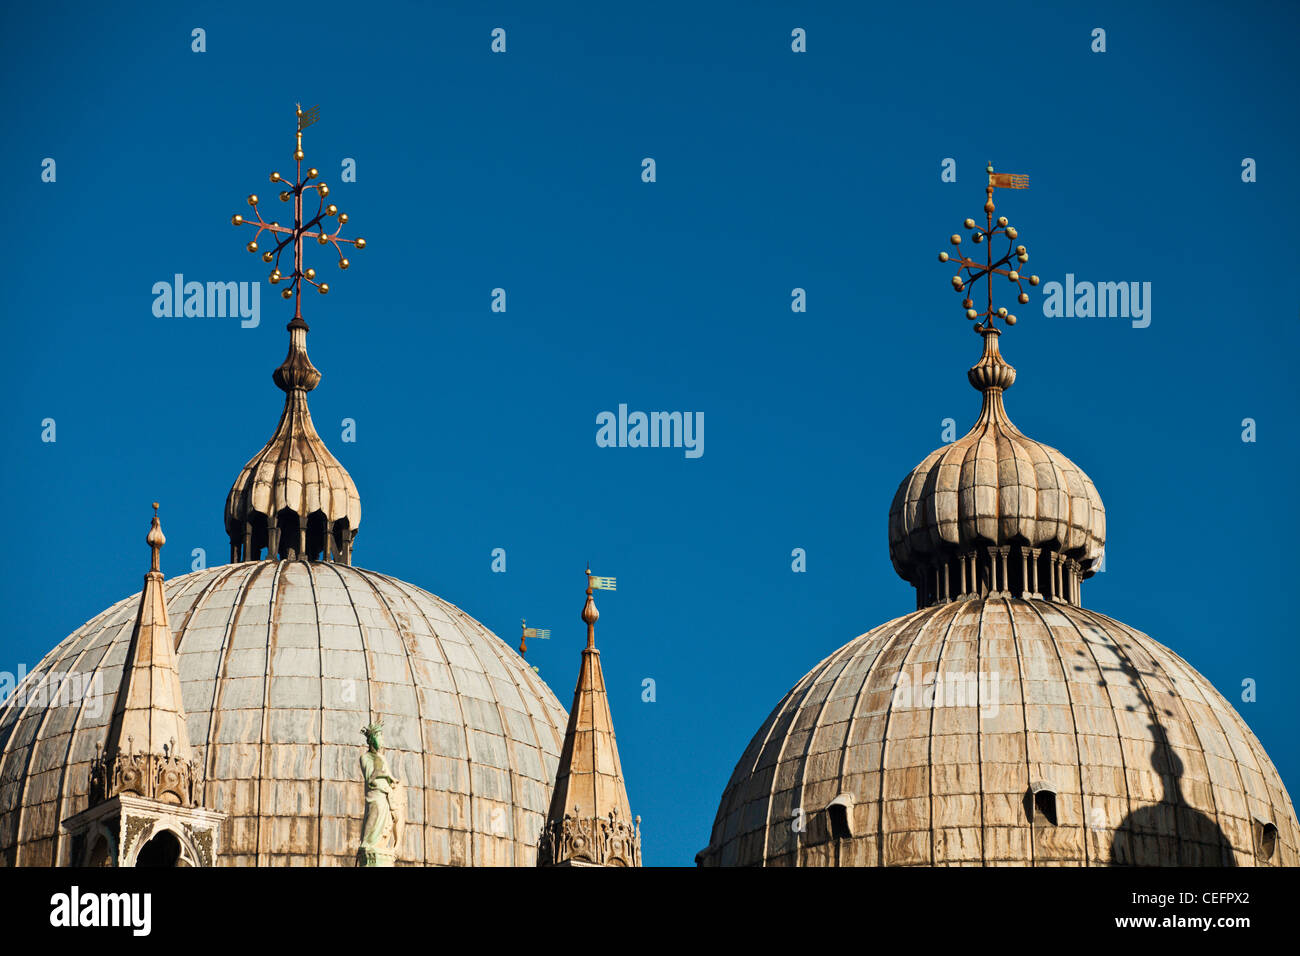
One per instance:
(1011, 320)
(287, 294)
(298, 154)
(957, 283)
(312, 173)
(343, 217)
(361, 243)
(266, 256)
(1011, 232)
(331, 210)
(969, 223)
(972, 314)
(978, 237)
(988, 206)
(1002, 221)
(1023, 257)
(322, 239)
(343, 263)
(1023, 298)
(274, 278)
(275, 177)
(236, 220)
(1013, 276)
(1033, 280)
(968, 304)
(1002, 312)
(324, 190)
(1020, 250)
(955, 239)
(252, 246)
(324, 288)
(943, 257)
(310, 273)
(252, 199)
(284, 196)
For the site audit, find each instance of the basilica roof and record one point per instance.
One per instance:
(1004, 731)
(1001, 722)
(281, 664)
(248, 685)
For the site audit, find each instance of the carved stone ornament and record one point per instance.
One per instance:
(596, 841)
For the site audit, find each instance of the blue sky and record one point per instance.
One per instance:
(775, 170)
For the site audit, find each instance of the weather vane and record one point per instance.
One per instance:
(540, 633)
(976, 271)
(301, 230)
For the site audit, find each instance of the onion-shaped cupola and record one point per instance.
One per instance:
(293, 498)
(995, 512)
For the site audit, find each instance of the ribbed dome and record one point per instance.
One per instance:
(281, 665)
(1053, 735)
(992, 488)
(293, 497)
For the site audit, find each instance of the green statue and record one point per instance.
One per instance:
(381, 830)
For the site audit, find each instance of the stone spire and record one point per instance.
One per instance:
(145, 804)
(590, 821)
(148, 747)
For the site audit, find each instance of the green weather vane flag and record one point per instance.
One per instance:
(974, 271)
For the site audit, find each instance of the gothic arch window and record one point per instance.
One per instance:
(163, 849)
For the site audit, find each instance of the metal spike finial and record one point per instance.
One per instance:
(1016, 256)
(302, 229)
(155, 539)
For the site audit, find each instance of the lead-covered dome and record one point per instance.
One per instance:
(1004, 731)
(281, 665)
(1001, 722)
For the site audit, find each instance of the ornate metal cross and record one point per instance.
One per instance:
(975, 271)
(301, 230)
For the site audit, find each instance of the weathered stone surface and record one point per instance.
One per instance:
(941, 724)
(281, 665)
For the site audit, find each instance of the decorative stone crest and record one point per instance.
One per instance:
(163, 777)
(597, 841)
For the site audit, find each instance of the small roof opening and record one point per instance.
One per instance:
(840, 813)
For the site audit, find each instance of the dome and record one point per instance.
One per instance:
(471, 730)
(1004, 731)
(1001, 723)
(994, 487)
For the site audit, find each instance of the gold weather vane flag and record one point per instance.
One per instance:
(540, 633)
(603, 584)
(314, 227)
(1015, 257)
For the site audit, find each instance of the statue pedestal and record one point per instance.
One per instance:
(374, 858)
